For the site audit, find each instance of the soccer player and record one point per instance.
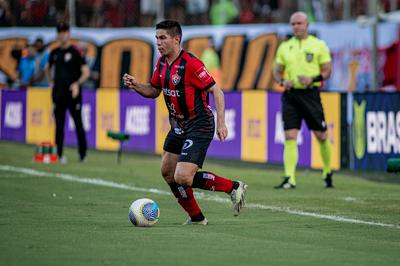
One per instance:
(302, 64)
(70, 72)
(185, 83)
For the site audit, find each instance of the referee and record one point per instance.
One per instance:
(302, 64)
(67, 71)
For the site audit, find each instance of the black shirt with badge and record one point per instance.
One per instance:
(67, 65)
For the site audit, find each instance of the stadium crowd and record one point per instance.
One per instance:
(129, 13)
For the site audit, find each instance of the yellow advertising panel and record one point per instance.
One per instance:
(254, 128)
(331, 104)
(162, 123)
(39, 116)
(107, 118)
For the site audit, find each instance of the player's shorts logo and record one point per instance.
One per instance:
(188, 144)
(175, 79)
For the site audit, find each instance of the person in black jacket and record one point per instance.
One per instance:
(66, 72)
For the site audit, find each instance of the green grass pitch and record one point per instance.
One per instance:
(77, 214)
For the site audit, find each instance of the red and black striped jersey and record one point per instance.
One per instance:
(184, 84)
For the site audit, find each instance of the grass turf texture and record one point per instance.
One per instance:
(49, 221)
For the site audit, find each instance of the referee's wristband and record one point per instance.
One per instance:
(318, 78)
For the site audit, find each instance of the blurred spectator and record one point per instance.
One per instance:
(113, 15)
(175, 9)
(266, 11)
(126, 13)
(6, 18)
(34, 13)
(148, 12)
(211, 61)
(197, 12)
(131, 12)
(27, 65)
(84, 12)
(41, 59)
(247, 15)
(93, 81)
(223, 12)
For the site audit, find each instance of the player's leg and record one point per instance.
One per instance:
(191, 159)
(59, 109)
(75, 109)
(290, 155)
(183, 193)
(292, 122)
(325, 151)
(315, 120)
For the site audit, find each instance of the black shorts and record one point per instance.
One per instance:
(300, 104)
(192, 147)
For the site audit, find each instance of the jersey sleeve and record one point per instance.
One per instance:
(51, 58)
(325, 55)
(279, 58)
(198, 75)
(155, 78)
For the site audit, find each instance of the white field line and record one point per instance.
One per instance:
(106, 183)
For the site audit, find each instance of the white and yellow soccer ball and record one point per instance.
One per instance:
(144, 212)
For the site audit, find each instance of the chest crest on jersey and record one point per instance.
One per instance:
(309, 57)
(175, 79)
(67, 57)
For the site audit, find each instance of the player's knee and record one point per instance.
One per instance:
(183, 178)
(167, 175)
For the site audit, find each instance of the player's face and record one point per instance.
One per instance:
(299, 26)
(166, 44)
(63, 37)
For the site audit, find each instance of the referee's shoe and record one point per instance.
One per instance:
(328, 180)
(285, 184)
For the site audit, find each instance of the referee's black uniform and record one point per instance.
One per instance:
(67, 63)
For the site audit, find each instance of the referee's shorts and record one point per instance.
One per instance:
(299, 104)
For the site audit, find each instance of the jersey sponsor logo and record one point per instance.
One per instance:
(309, 57)
(67, 57)
(203, 74)
(170, 92)
(175, 79)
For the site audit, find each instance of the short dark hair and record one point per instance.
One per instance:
(172, 27)
(62, 27)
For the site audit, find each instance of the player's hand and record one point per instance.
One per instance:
(222, 131)
(306, 81)
(130, 81)
(287, 84)
(74, 88)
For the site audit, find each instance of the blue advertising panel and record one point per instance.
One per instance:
(375, 129)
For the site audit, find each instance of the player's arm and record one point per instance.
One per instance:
(325, 73)
(75, 86)
(278, 76)
(47, 71)
(144, 89)
(219, 100)
(326, 70)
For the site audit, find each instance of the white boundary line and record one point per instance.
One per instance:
(105, 183)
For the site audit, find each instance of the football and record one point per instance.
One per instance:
(144, 212)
